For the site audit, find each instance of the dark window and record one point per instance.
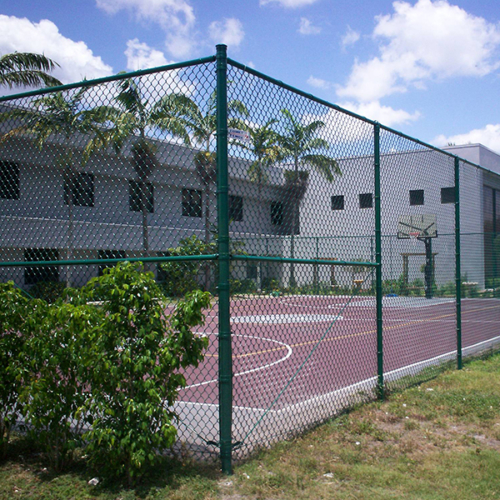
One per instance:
(9, 180)
(110, 254)
(235, 208)
(338, 202)
(448, 195)
(191, 203)
(134, 194)
(33, 275)
(276, 213)
(251, 271)
(417, 197)
(81, 187)
(366, 200)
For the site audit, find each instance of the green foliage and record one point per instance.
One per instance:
(56, 367)
(113, 368)
(137, 360)
(182, 277)
(49, 291)
(270, 284)
(13, 311)
(238, 287)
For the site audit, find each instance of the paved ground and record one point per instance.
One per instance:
(299, 359)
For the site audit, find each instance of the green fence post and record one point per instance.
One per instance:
(378, 259)
(225, 354)
(458, 278)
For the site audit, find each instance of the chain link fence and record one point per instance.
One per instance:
(344, 258)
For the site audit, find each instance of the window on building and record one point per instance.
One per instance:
(81, 187)
(252, 271)
(235, 208)
(448, 195)
(9, 180)
(417, 197)
(109, 254)
(276, 213)
(338, 202)
(191, 203)
(134, 196)
(34, 275)
(366, 200)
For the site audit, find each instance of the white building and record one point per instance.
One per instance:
(336, 219)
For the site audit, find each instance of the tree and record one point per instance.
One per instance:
(24, 69)
(301, 145)
(187, 120)
(64, 115)
(263, 145)
(130, 121)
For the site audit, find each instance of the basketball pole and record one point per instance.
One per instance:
(429, 271)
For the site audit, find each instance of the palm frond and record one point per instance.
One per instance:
(27, 70)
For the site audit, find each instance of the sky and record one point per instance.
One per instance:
(429, 68)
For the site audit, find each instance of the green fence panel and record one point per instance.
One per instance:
(345, 259)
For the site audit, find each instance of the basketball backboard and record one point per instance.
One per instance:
(417, 226)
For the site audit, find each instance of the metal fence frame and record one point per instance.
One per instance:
(224, 256)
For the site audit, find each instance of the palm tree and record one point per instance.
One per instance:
(24, 69)
(192, 123)
(131, 120)
(301, 145)
(263, 145)
(62, 115)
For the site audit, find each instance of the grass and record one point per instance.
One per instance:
(439, 440)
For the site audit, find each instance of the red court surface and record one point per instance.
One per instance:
(290, 352)
(273, 336)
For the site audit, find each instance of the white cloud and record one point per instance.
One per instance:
(175, 17)
(350, 37)
(489, 136)
(230, 32)
(319, 83)
(427, 40)
(141, 56)
(75, 58)
(289, 4)
(383, 114)
(307, 28)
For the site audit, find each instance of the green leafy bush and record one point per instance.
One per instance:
(56, 369)
(14, 308)
(112, 369)
(238, 287)
(270, 284)
(179, 278)
(138, 356)
(49, 291)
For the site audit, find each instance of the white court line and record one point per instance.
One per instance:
(273, 319)
(391, 375)
(253, 370)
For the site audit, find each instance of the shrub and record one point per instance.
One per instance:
(270, 284)
(13, 311)
(179, 278)
(56, 367)
(138, 356)
(238, 287)
(49, 291)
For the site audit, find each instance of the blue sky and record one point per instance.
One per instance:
(430, 68)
